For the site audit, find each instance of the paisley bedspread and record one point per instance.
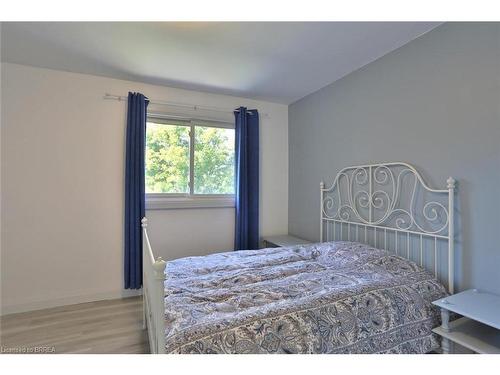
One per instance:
(335, 297)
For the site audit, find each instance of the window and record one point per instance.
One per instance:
(167, 158)
(189, 163)
(213, 160)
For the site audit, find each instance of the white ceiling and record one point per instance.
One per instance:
(279, 62)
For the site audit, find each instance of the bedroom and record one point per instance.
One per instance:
(355, 175)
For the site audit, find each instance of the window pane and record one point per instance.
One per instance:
(167, 158)
(213, 160)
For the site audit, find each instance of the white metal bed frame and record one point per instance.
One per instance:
(153, 294)
(374, 198)
(370, 197)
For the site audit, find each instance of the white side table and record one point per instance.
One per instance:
(283, 241)
(478, 329)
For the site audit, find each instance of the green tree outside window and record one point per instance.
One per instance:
(168, 159)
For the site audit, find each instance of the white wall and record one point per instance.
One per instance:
(62, 187)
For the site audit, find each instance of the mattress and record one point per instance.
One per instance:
(334, 297)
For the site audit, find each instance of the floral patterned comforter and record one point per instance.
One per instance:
(335, 297)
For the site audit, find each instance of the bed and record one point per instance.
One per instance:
(385, 253)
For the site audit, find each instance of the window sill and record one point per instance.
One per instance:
(172, 203)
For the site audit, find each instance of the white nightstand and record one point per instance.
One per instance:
(283, 241)
(478, 329)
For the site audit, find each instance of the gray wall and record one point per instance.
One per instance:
(434, 103)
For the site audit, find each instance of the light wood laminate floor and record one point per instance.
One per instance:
(113, 326)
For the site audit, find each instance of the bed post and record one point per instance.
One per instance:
(159, 314)
(153, 293)
(451, 233)
(144, 225)
(321, 187)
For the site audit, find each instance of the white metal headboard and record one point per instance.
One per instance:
(390, 206)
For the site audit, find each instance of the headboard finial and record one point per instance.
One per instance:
(144, 222)
(322, 185)
(451, 182)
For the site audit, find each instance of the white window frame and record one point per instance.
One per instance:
(155, 201)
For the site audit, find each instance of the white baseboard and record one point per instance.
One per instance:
(71, 300)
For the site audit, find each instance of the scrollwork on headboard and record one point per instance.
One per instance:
(392, 197)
